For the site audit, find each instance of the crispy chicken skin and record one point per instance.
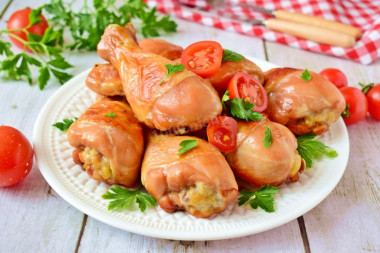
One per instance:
(260, 166)
(229, 68)
(110, 149)
(104, 78)
(183, 100)
(303, 106)
(161, 47)
(199, 181)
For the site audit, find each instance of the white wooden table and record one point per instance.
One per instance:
(33, 218)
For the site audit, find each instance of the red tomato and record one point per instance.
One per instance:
(221, 132)
(373, 98)
(20, 19)
(357, 102)
(16, 156)
(203, 58)
(337, 77)
(245, 86)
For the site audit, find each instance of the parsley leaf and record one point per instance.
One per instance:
(186, 146)
(123, 198)
(268, 139)
(229, 55)
(172, 69)
(225, 98)
(243, 110)
(262, 198)
(305, 75)
(65, 124)
(310, 149)
(110, 115)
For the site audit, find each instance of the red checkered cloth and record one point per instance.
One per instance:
(364, 14)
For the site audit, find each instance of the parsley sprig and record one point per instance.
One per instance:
(268, 139)
(171, 70)
(310, 149)
(47, 58)
(88, 23)
(110, 115)
(240, 109)
(229, 55)
(123, 198)
(65, 124)
(305, 75)
(186, 146)
(262, 198)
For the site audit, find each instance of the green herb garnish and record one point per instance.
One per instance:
(186, 146)
(172, 69)
(110, 115)
(262, 198)
(229, 55)
(268, 139)
(242, 109)
(47, 58)
(65, 124)
(310, 149)
(225, 98)
(305, 75)
(123, 198)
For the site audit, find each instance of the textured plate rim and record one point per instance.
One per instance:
(41, 159)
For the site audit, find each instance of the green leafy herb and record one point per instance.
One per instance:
(87, 25)
(310, 149)
(110, 115)
(65, 124)
(186, 146)
(262, 198)
(229, 55)
(172, 69)
(123, 198)
(47, 58)
(306, 75)
(366, 87)
(243, 110)
(225, 98)
(268, 139)
(346, 112)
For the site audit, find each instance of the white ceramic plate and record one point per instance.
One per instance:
(53, 155)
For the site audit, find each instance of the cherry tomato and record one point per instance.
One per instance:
(203, 58)
(337, 77)
(221, 132)
(20, 19)
(373, 98)
(357, 102)
(16, 156)
(245, 86)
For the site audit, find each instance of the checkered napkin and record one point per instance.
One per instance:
(363, 14)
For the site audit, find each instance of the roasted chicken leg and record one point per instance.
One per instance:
(108, 143)
(183, 101)
(199, 181)
(260, 166)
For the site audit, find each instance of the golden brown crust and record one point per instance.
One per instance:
(303, 106)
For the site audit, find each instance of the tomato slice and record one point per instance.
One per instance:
(221, 132)
(203, 58)
(247, 87)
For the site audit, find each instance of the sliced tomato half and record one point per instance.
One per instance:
(247, 87)
(221, 132)
(203, 58)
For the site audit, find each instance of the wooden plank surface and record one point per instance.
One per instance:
(38, 220)
(348, 220)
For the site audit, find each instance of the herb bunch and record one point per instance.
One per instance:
(47, 50)
(88, 24)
